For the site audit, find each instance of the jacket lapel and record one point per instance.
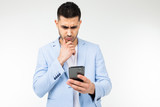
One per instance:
(81, 53)
(56, 47)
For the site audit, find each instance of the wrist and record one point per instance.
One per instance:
(92, 91)
(60, 61)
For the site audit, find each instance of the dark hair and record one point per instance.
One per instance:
(69, 10)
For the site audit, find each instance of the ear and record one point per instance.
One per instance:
(80, 23)
(56, 22)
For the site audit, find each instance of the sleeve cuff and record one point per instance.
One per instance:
(55, 70)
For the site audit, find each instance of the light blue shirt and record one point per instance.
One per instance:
(50, 77)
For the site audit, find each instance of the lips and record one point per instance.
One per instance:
(68, 38)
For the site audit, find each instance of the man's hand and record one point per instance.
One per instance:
(67, 50)
(83, 87)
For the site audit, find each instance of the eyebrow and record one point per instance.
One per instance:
(66, 27)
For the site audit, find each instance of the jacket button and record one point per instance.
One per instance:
(98, 99)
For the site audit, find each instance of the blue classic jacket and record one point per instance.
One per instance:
(50, 77)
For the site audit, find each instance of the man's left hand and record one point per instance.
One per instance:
(83, 87)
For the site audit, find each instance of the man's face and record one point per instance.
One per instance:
(68, 28)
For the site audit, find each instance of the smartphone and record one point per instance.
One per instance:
(74, 71)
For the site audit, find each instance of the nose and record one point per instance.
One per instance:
(69, 32)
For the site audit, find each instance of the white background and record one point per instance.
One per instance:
(128, 32)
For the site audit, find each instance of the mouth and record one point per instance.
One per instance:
(68, 39)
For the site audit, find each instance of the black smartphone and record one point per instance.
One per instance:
(74, 71)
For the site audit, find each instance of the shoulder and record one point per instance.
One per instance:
(46, 46)
(89, 45)
(49, 46)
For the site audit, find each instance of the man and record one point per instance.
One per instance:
(54, 59)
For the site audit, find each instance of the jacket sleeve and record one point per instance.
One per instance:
(46, 76)
(102, 83)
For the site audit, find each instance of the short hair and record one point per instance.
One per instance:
(69, 10)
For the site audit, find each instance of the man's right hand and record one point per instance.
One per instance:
(66, 51)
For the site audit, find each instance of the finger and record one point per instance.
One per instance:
(77, 88)
(83, 92)
(73, 52)
(78, 83)
(71, 46)
(85, 79)
(69, 43)
(68, 83)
